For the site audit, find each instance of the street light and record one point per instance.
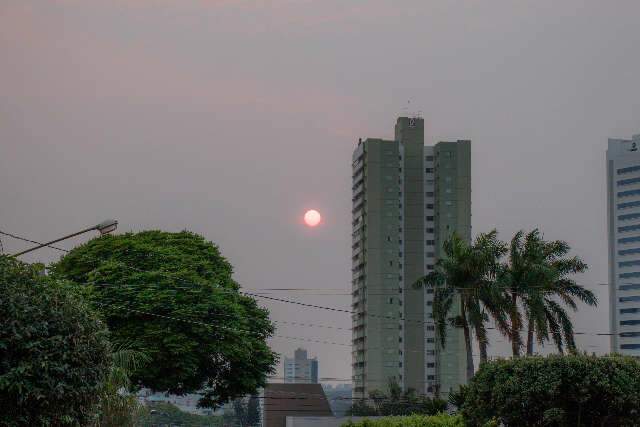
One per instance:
(105, 227)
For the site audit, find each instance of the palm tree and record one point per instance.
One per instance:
(117, 405)
(535, 278)
(465, 276)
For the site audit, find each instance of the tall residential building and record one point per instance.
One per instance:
(623, 201)
(300, 369)
(407, 199)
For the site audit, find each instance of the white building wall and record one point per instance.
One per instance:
(623, 200)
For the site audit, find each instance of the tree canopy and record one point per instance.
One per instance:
(54, 351)
(172, 296)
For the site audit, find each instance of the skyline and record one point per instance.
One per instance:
(128, 99)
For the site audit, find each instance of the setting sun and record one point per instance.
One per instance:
(312, 218)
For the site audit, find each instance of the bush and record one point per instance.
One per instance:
(440, 420)
(576, 390)
(54, 352)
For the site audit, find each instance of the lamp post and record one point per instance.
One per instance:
(105, 227)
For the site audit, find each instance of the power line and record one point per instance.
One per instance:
(281, 299)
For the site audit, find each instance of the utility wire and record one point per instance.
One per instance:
(285, 300)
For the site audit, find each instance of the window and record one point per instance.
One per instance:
(629, 322)
(431, 377)
(628, 169)
(629, 299)
(428, 170)
(430, 290)
(627, 217)
(430, 268)
(430, 218)
(390, 300)
(388, 238)
(629, 181)
(431, 242)
(629, 251)
(628, 193)
(627, 228)
(429, 205)
(400, 241)
(629, 287)
(431, 328)
(628, 263)
(629, 239)
(429, 303)
(429, 158)
(630, 346)
(399, 364)
(390, 263)
(630, 334)
(431, 254)
(431, 353)
(628, 275)
(628, 205)
(430, 230)
(431, 194)
(431, 365)
(400, 254)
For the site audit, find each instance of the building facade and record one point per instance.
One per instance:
(623, 214)
(407, 198)
(300, 369)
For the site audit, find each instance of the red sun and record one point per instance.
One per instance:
(312, 218)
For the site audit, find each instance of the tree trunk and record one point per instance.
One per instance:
(468, 345)
(515, 326)
(482, 343)
(530, 338)
(483, 351)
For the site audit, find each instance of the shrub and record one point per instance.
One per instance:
(54, 352)
(440, 420)
(576, 390)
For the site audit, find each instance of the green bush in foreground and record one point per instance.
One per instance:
(576, 390)
(54, 351)
(440, 420)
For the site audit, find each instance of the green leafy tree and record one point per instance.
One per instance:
(562, 391)
(54, 351)
(538, 280)
(173, 296)
(465, 291)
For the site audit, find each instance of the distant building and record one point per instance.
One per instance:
(623, 212)
(300, 369)
(407, 198)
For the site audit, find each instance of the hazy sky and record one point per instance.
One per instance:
(231, 118)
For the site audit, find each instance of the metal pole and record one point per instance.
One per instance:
(54, 241)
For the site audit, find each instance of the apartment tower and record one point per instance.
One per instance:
(300, 369)
(407, 199)
(623, 212)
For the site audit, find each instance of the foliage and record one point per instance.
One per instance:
(465, 291)
(440, 420)
(118, 407)
(54, 351)
(397, 402)
(247, 411)
(161, 414)
(172, 294)
(538, 278)
(575, 390)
